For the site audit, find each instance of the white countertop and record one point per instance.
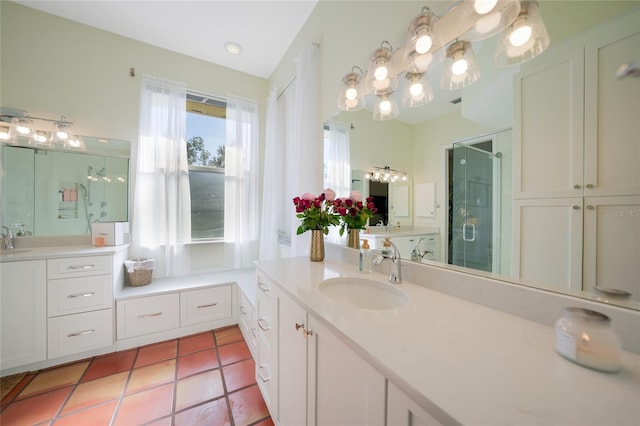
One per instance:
(36, 253)
(477, 364)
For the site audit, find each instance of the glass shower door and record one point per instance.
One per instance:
(472, 210)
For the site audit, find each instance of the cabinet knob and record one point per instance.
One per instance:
(576, 207)
(299, 325)
(307, 332)
(577, 186)
(590, 207)
(590, 185)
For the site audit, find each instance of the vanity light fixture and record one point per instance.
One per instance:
(386, 108)
(524, 36)
(18, 128)
(351, 94)
(417, 90)
(460, 69)
(386, 174)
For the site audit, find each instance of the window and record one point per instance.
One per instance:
(206, 136)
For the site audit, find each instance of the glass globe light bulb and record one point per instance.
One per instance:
(385, 105)
(520, 35)
(351, 94)
(416, 89)
(484, 6)
(381, 73)
(460, 66)
(423, 44)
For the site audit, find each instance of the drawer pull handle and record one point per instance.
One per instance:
(81, 333)
(243, 311)
(155, 314)
(75, 295)
(208, 306)
(261, 375)
(264, 287)
(263, 324)
(83, 267)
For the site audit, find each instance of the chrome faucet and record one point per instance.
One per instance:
(416, 254)
(7, 239)
(395, 274)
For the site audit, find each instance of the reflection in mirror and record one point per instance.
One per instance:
(524, 232)
(53, 192)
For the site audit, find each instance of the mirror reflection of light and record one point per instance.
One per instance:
(381, 72)
(351, 93)
(23, 130)
(416, 89)
(381, 85)
(40, 136)
(385, 106)
(4, 133)
(422, 62)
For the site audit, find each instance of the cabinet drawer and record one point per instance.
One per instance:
(74, 295)
(247, 323)
(78, 266)
(266, 321)
(144, 315)
(204, 305)
(77, 333)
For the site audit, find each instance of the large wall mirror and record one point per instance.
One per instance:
(48, 192)
(469, 160)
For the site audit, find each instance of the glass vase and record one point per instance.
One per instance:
(317, 246)
(353, 238)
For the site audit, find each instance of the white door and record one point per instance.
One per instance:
(347, 390)
(612, 244)
(612, 110)
(548, 242)
(23, 314)
(292, 381)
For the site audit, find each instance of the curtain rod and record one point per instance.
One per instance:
(286, 87)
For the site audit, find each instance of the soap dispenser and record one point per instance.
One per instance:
(365, 257)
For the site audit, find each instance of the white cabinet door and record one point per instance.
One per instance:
(267, 327)
(400, 203)
(345, 388)
(247, 323)
(402, 411)
(612, 110)
(548, 125)
(292, 380)
(612, 243)
(23, 314)
(548, 242)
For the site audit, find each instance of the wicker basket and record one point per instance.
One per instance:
(139, 271)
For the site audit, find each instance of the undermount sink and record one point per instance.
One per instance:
(10, 252)
(363, 293)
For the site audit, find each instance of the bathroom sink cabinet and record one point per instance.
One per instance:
(319, 379)
(23, 313)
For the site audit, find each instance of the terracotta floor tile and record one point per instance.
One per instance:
(96, 391)
(233, 352)
(247, 406)
(265, 422)
(157, 352)
(211, 413)
(98, 415)
(197, 342)
(197, 362)
(227, 335)
(199, 388)
(17, 389)
(116, 362)
(55, 378)
(151, 376)
(165, 421)
(146, 406)
(239, 375)
(36, 409)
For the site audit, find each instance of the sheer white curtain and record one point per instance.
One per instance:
(161, 219)
(241, 180)
(337, 163)
(273, 181)
(307, 169)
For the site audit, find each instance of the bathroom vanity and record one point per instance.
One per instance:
(427, 356)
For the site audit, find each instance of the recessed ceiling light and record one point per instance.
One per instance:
(233, 48)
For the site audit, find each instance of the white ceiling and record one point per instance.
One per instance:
(196, 28)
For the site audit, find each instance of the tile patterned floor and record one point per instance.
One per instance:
(203, 379)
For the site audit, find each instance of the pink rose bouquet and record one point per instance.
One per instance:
(316, 213)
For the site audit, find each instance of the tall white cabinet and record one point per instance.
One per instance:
(576, 163)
